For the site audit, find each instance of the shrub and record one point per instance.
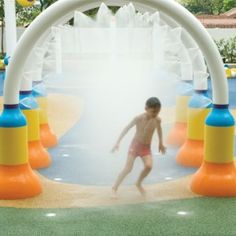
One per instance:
(227, 48)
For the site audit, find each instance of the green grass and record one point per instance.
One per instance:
(205, 216)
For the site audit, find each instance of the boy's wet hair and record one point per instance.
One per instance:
(153, 102)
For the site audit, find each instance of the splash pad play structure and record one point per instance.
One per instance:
(216, 176)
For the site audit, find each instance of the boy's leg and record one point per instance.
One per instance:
(147, 161)
(127, 169)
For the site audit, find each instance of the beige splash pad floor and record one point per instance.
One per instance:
(60, 195)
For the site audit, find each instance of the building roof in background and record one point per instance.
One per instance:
(231, 13)
(226, 20)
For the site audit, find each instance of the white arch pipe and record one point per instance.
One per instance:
(188, 41)
(169, 7)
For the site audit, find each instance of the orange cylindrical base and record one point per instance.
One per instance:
(38, 155)
(191, 153)
(18, 182)
(216, 180)
(177, 135)
(48, 138)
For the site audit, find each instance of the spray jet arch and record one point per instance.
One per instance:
(63, 8)
(216, 177)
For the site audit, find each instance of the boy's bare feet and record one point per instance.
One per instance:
(114, 193)
(140, 189)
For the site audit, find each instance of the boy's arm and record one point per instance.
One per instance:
(162, 148)
(124, 132)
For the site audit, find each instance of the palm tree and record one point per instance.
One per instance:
(45, 4)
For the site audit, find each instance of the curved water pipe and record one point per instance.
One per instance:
(188, 41)
(217, 175)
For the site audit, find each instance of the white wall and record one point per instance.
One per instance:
(217, 33)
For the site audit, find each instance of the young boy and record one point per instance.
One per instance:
(145, 124)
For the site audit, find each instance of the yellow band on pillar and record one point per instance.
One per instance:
(14, 146)
(181, 109)
(196, 122)
(43, 105)
(219, 145)
(33, 124)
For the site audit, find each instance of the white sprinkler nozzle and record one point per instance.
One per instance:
(200, 80)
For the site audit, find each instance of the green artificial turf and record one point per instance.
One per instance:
(205, 216)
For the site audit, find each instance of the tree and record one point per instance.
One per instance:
(227, 49)
(229, 4)
(45, 4)
(24, 16)
(93, 12)
(215, 7)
